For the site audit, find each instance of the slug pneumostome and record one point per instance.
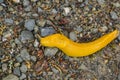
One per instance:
(74, 49)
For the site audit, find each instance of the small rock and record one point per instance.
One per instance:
(1, 1)
(24, 54)
(50, 51)
(30, 24)
(26, 36)
(23, 68)
(116, 4)
(113, 15)
(11, 77)
(54, 11)
(41, 23)
(39, 10)
(78, 29)
(119, 76)
(34, 0)
(1, 8)
(55, 70)
(26, 2)
(73, 36)
(36, 43)
(33, 58)
(80, 0)
(67, 10)
(101, 1)
(46, 31)
(83, 67)
(19, 59)
(17, 41)
(119, 37)
(23, 76)
(16, 71)
(16, 1)
(4, 67)
(103, 29)
(35, 15)
(28, 8)
(9, 21)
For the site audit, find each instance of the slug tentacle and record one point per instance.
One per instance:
(74, 49)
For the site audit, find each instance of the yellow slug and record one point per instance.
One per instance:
(74, 49)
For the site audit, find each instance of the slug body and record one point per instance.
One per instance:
(74, 49)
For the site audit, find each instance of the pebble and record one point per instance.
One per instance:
(1, 1)
(36, 43)
(9, 21)
(46, 31)
(4, 67)
(23, 68)
(117, 4)
(19, 59)
(50, 51)
(33, 58)
(29, 24)
(26, 2)
(54, 11)
(16, 71)
(119, 76)
(83, 67)
(113, 15)
(17, 41)
(16, 1)
(1, 8)
(103, 29)
(41, 23)
(101, 1)
(28, 8)
(39, 10)
(11, 77)
(78, 29)
(119, 37)
(26, 36)
(73, 36)
(23, 76)
(55, 70)
(24, 54)
(67, 10)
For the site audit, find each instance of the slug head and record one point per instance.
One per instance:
(55, 40)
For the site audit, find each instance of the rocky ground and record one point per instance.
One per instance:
(22, 57)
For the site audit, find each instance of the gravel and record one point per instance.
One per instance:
(19, 58)
(41, 23)
(22, 57)
(16, 71)
(1, 1)
(11, 77)
(73, 36)
(9, 21)
(46, 31)
(119, 37)
(50, 51)
(29, 24)
(113, 15)
(101, 1)
(23, 76)
(23, 68)
(26, 2)
(26, 36)
(33, 58)
(24, 54)
(4, 67)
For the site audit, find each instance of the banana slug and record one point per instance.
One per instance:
(74, 49)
